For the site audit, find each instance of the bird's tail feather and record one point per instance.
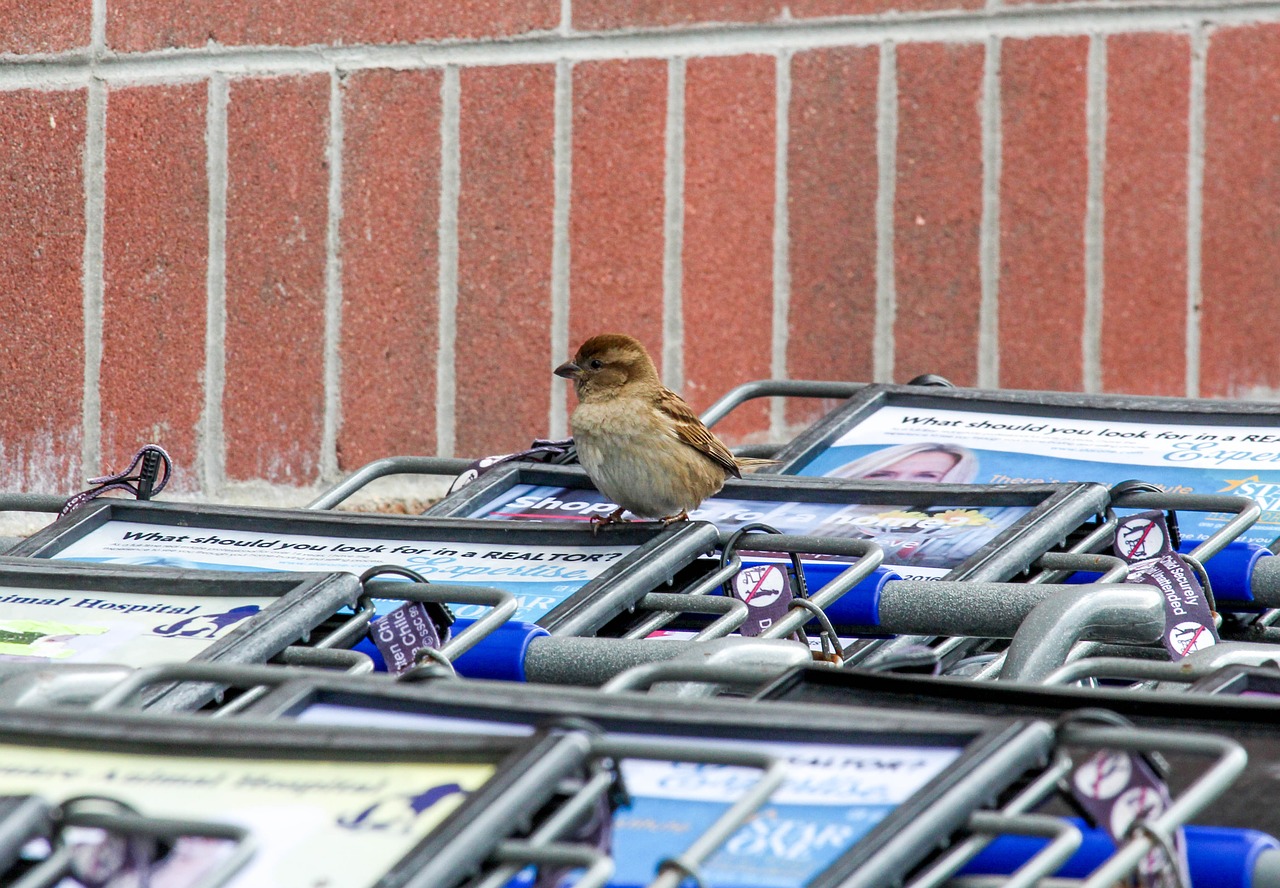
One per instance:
(750, 463)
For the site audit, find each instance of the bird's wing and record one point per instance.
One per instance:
(686, 426)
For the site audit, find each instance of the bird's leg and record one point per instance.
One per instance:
(614, 517)
(672, 519)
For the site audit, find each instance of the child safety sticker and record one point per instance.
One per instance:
(1143, 541)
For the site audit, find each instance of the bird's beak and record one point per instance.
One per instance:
(568, 370)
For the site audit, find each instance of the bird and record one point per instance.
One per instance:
(639, 442)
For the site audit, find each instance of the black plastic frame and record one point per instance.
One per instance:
(1056, 509)
(306, 600)
(1120, 408)
(997, 752)
(660, 551)
(1254, 722)
(527, 772)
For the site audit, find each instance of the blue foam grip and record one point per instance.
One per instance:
(1230, 572)
(1218, 857)
(499, 655)
(860, 606)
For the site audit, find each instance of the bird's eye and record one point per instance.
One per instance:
(596, 364)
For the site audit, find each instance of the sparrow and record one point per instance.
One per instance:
(640, 443)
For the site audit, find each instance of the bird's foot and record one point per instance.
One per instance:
(614, 517)
(683, 515)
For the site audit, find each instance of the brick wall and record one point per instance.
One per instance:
(285, 238)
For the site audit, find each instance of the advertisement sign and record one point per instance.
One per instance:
(919, 542)
(310, 822)
(540, 576)
(906, 443)
(116, 627)
(832, 796)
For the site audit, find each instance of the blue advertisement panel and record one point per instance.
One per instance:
(833, 795)
(907, 443)
(540, 576)
(919, 542)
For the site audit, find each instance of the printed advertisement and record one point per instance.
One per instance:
(540, 577)
(962, 446)
(917, 542)
(832, 796)
(311, 823)
(115, 627)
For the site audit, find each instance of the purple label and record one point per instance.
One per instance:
(402, 633)
(1119, 789)
(767, 592)
(1143, 541)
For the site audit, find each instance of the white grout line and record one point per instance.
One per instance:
(886, 160)
(1195, 206)
(566, 18)
(1094, 214)
(558, 421)
(98, 28)
(673, 232)
(989, 232)
(450, 184)
(95, 162)
(213, 451)
(1107, 17)
(333, 289)
(781, 244)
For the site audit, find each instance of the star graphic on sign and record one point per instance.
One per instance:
(1233, 484)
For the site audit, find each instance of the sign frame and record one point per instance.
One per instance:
(1056, 509)
(997, 751)
(527, 771)
(804, 448)
(659, 551)
(1251, 721)
(304, 602)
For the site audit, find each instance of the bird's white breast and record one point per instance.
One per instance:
(636, 461)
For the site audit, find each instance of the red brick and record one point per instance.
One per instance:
(390, 264)
(155, 248)
(608, 14)
(1145, 196)
(277, 215)
(938, 216)
(1241, 221)
(48, 26)
(41, 249)
(505, 211)
(832, 183)
(1042, 207)
(812, 8)
(728, 232)
(135, 25)
(616, 229)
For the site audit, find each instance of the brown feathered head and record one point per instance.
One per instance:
(605, 363)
